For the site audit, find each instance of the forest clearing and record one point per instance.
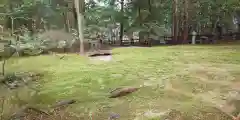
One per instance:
(119, 60)
(180, 78)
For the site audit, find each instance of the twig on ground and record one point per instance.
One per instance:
(37, 110)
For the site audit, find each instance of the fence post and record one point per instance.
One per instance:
(194, 37)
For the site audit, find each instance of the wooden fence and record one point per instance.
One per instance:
(200, 39)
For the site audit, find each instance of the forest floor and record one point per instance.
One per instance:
(184, 78)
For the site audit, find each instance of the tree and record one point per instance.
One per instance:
(122, 23)
(185, 30)
(79, 7)
(174, 20)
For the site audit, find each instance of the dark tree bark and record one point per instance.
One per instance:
(75, 16)
(174, 21)
(150, 7)
(185, 29)
(66, 23)
(238, 27)
(121, 24)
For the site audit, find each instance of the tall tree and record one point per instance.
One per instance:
(185, 29)
(174, 20)
(122, 22)
(79, 7)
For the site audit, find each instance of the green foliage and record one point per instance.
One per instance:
(136, 16)
(152, 16)
(138, 13)
(34, 44)
(24, 11)
(27, 45)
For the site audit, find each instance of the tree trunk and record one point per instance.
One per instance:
(121, 24)
(79, 11)
(66, 21)
(75, 17)
(238, 27)
(215, 33)
(149, 18)
(180, 28)
(150, 7)
(12, 26)
(174, 21)
(140, 24)
(185, 31)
